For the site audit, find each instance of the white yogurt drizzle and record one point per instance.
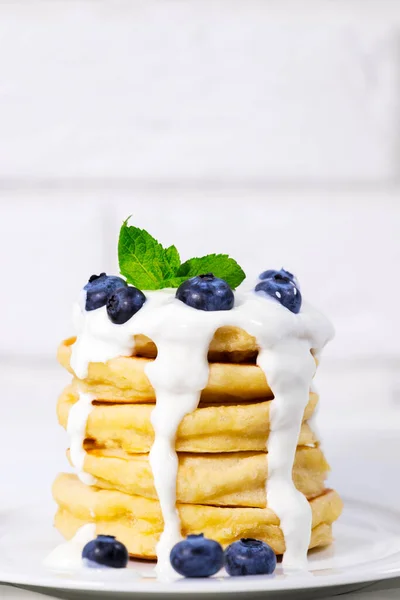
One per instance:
(76, 429)
(68, 555)
(180, 372)
(313, 420)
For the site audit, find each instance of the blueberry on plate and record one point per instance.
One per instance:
(197, 556)
(99, 288)
(206, 292)
(270, 273)
(124, 303)
(282, 288)
(249, 557)
(105, 551)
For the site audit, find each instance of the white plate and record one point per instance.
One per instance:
(367, 549)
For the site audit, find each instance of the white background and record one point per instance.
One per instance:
(258, 129)
(269, 130)
(255, 128)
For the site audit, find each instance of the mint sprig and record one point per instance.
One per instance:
(145, 263)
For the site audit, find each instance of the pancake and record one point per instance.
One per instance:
(123, 379)
(229, 344)
(210, 428)
(137, 521)
(230, 479)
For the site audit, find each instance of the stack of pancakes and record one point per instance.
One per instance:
(223, 462)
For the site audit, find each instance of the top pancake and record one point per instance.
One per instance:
(229, 344)
(124, 379)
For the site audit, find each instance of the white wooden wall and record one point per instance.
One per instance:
(266, 129)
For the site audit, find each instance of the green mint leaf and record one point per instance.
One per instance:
(221, 265)
(142, 259)
(174, 282)
(146, 264)
(173, 260)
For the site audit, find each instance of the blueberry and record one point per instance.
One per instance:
(124, 303)
(273, 272)
(99, 288)
(105, 551)
(206, 292)
(197, 556)
(249, 557)
(282, 288)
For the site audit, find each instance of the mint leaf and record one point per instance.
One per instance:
(142, 260)
(174, 282)
(173, 260)
(146, 264)
(221, 265)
